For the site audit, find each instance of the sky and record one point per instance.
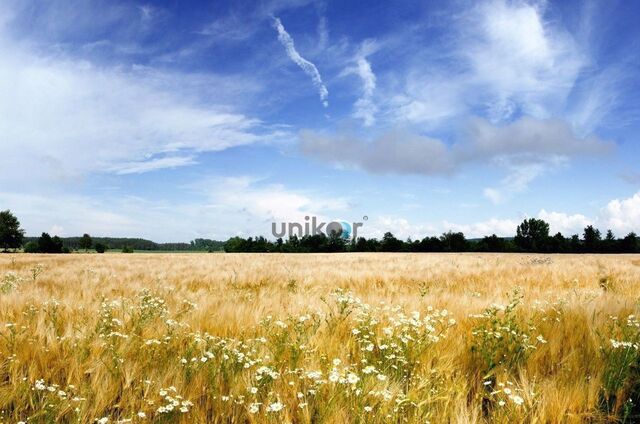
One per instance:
(175, 120)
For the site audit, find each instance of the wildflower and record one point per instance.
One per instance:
(275, 407)
(352, 378)
(517, 400)
(314, 375)
(368, 369)
(142, 415)
(103, 420)
(254, 408)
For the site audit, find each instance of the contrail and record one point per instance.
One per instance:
(308, 67)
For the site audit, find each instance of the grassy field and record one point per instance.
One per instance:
(338, 338)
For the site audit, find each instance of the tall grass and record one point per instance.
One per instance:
(375, 338)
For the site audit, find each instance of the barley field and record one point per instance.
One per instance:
(315, 338)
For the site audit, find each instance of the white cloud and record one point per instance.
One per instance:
(308, 67)
(271, 201)
(565, 223)
(393, 152)
(515, 182)
(622, 215)
(401, 228)
(139, 167)
(56, 230)
(323, 32)
(365, 108)
(220, 208)
(500, 227)
(518, 179)
(73, 117)
(501, 57)
(525, 147)
(520, 58)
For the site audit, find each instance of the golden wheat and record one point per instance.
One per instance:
(330, 338)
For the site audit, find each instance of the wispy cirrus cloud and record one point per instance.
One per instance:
(501, 59)
(139, 167)
(365, 107)
(75, 117)
(309, 68)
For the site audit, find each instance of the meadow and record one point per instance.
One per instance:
(319, 338)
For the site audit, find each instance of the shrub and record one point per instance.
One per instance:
(31, 247)
(100, 248)
(127, 249)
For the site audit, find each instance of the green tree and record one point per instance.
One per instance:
(453, 242)
(558, 243)
(48, 244)
(532, 235)
(336, 243)
(10, 232)
(390, 243)
(492, 243)
(591, 239)
(630, 243)
(431, 244)
(100, 248)
(85, 242)
(609, 243)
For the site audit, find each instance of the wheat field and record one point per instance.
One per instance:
(319, 338)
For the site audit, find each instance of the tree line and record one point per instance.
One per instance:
(532, 235)
(120, 243)
(13, 237)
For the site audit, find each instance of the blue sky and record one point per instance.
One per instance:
(174, 120)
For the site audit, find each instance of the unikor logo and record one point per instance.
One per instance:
(313, 227)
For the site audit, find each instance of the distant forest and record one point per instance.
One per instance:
(532, 235)
(120, 243)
